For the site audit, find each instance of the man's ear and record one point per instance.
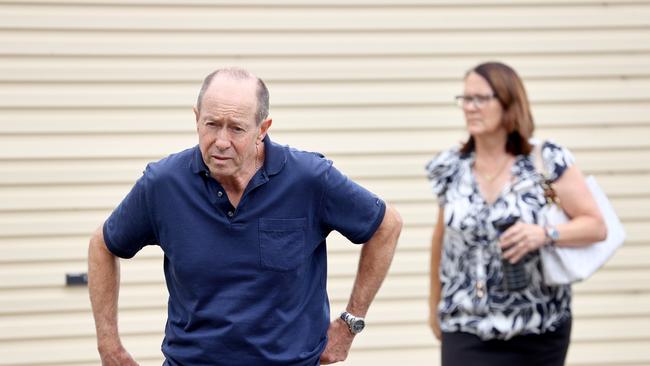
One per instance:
(196, 114)
(264, 128)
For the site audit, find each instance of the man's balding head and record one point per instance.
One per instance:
(235, 73)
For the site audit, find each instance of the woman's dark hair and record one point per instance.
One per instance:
(511, 94)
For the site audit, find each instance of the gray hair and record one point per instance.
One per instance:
(240, 74)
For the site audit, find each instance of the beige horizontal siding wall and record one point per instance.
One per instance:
(92, 90)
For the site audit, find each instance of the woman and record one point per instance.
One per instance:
(479, 317)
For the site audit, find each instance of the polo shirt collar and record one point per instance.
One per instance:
(274, 159)
(275, 156)
(197, 164)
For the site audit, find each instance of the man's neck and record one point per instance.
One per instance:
(236, 185)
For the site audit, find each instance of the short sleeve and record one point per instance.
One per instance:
(129, 227)
(556, 160)
(441, 171)
(350, 209)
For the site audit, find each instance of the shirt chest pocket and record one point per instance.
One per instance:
(282, 243)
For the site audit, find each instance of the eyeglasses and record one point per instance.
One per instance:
(478, 101)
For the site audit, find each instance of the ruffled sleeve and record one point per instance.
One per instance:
(556, 160)
(441, 170)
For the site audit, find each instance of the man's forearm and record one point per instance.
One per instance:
(374, 262)
(103, 287)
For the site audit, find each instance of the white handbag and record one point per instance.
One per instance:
(563, 265)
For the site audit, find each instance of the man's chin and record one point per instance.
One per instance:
(221, 170)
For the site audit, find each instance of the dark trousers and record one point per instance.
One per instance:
(547, 349)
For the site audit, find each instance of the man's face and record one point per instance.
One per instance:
(227, 129)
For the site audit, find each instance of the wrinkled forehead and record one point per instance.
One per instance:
(227, 90)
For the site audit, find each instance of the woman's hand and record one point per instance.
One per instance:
(521, 239)
(434, 322)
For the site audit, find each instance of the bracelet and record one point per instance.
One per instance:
(551, 234)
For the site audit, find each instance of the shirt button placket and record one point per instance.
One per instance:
(231, 214)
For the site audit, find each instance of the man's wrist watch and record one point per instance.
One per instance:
(355, 323)
(552, 235)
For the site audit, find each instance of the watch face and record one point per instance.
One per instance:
(357, 326)
(555, 235)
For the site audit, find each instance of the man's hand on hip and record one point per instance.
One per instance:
(339, 341)
(118, 357)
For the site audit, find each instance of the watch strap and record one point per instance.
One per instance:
(551, 234)
(351, 320)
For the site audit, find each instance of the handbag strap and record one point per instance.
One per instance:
(540, 168)
(538, 162)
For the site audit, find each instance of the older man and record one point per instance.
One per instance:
(242, 222)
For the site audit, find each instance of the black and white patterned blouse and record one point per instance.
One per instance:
(473, 299)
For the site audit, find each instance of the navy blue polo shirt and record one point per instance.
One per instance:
(247, 285)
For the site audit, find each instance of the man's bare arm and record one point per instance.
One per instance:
(374, 262)
(104, 286)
